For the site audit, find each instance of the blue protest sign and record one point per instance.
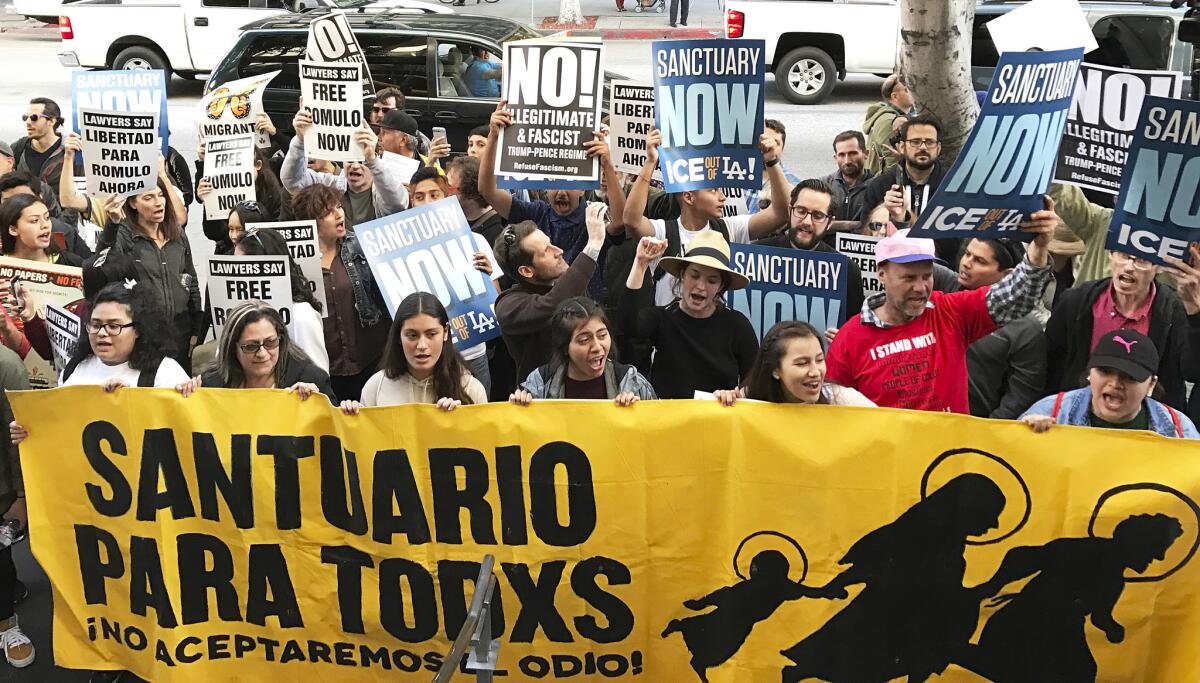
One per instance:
(789, 284)
(708, 98)
(1008, 162)
(430, 249)
(1156, 213)
(142, 91)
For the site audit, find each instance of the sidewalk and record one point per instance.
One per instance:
(11, 22)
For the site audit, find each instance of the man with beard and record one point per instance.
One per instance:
(562, 216)
(810, 216)
(848, 182)
(908, 346)
(40, 152)
(907, 187)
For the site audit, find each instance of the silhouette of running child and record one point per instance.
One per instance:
(715, 636)
(1039, 634)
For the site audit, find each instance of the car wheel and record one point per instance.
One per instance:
(140, 57)
(806, 75)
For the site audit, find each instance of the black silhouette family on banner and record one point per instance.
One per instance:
(914, 617)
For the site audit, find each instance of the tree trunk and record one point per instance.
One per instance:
(935, 58)
(569, 12)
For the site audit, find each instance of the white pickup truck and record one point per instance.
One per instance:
(812, 44)
(185, 37)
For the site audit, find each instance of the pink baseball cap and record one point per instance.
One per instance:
(900, 248)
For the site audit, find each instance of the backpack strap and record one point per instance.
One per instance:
(146, 378)
(1175, 420)
(1057, 404)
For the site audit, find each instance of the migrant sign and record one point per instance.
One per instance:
(232, 108)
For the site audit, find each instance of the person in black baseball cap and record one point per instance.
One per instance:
(397, 134)
(1121, 377)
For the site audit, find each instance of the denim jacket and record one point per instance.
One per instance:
(368, 301)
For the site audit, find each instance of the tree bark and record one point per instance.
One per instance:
(569, 12)
(935, 58)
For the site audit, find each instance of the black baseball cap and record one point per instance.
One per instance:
(401, 121)
(1127, 351)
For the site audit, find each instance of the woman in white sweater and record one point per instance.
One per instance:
(420, 364)
(306, 329)
(790, 368)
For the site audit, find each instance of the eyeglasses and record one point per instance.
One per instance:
(381, 109)
(250, 206)
(922, 144)
(252, 348)
(1131, 260)
(800, 213)
(510, 237)
(113, 329)
(876, 226)
(34, 118)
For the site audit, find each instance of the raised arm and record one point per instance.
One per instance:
(1020, 290)
(174, 198)
(500, 199)
(598, 147)
(68, 197)
(775, 216)
(636, 223)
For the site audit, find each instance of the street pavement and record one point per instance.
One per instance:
(808, 153)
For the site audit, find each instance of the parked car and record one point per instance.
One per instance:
(186, 37)
(860, 37)
(426, 57)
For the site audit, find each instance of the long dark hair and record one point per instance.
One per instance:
(760, 382)
(170, 222)
(153, 344)
(227, 363)
(267, 188)
(571, 314)
(10, 213)
(268, 242)
(449, 370)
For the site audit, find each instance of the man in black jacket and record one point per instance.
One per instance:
(1130, 299)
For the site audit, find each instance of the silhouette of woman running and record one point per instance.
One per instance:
(1039, 634)
(714, 637)
(913, 613)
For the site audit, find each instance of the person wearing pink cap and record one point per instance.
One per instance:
(908, 346)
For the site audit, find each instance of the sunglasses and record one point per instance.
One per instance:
(876, 226)
(34, 118)
(252, 348)
(381, 110)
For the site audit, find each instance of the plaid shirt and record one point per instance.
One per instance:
(1011, 298)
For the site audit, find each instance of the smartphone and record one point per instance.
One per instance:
(438, 132)
(14, 286)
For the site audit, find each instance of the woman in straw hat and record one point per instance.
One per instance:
(699, 344)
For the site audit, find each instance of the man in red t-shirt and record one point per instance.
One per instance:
(908, 346)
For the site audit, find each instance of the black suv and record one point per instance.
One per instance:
(425, 56)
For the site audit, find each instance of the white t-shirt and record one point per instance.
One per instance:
(664, 291)
(308, 333)
(95, 371)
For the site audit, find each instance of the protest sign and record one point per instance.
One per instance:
(430, 249)
(1102, 118)
(630, 118)
(120, 152)
(1006, 166)
(708, 97)
(1042, 25)
(554, 90)
(63, 328)
(49, 284)
(232, 108)
(234, 280)
(142, 91)
(330, 92)
(402, 167)
(789, 284)
(861, 250)
(735, 201)
(246, 535)
(229, 168)
(1155, 215)
(330, 39)
(301, 238)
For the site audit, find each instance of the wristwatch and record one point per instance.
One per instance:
(769, 164)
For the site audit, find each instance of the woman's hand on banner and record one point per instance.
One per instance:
(625, 399)
(501, 117)
(728, 397)
(264, 124)
(519, 397)
(368, 141)
(448, 404)
(189, 387)
(304, 390)
(481, 263)
(203, 189)
(351, 407)
(1039, 423)
(16, 433)
(1187, 280)
(648, 250)
(112, 384)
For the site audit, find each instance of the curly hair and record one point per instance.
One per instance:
(268, 242)
(149, 322)
(468, 180)
(315, 202)
(449, 370)
(10, 213)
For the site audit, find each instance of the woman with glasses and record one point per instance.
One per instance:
(420, 364)
(877, 223)
(270, 203)
(255, 352)
(306, 326)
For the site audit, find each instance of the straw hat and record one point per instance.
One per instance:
(1065, 242)
(707, 248)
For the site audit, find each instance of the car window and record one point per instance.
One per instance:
(1133, 41)
(468, 70)
(243, 4)
(397, 61)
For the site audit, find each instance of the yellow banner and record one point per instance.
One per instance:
(244, 535)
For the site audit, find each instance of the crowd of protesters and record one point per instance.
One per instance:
(1051, 329)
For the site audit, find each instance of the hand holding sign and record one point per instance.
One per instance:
(365, 137)
(1041, 225)
(71, 144)
(1187, 279)
(301, 121)
(263, 124)
(598, 147)
(501, 118)
(653, 140)
(595, 224)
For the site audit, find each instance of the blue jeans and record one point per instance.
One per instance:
(479, 368)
